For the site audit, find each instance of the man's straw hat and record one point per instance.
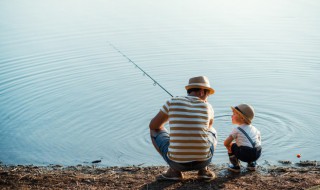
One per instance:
(246, 111)
(200, 82)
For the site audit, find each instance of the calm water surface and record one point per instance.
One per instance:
(67, 97)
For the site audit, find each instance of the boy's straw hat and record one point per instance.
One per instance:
(246, 111)
(200, 82)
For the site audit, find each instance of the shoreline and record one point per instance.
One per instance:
(287, 176)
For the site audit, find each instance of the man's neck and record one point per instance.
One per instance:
(196, 94)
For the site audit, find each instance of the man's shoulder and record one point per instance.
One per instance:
(179, 98)
(190, 99)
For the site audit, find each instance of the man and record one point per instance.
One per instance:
(192, 139)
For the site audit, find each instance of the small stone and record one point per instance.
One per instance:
(96, 161)
(285, 162)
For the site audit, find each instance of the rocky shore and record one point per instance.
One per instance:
(304, 175)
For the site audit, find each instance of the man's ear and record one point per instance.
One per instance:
(202, 92)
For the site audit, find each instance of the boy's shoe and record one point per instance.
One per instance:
(252, 166)
(171, 174)
(206, 174)
(234, 168)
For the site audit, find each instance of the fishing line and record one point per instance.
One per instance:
(144, 73)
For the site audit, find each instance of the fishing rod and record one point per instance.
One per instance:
(144, 73)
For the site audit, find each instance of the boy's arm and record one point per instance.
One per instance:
(158, 121)
(228, 143)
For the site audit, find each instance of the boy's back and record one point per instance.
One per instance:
(242, 140)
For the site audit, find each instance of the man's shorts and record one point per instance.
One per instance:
(162, 141)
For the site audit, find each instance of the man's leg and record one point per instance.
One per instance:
(213, 137)
(205, 173)
(160, 140)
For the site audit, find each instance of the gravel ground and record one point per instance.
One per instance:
(287, 176)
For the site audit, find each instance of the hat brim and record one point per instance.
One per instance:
(241, 114)
(211, 90)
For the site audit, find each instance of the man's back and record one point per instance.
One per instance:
(189, 118)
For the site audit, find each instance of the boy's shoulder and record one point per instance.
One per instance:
(235, 130)
(254, 128)
(247, 128)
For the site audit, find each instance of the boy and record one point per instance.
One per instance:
(247, 147)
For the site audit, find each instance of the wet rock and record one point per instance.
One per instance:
(128, 169)
(86, 180)
(96, 161)
(307, 163)
(4, 173)
(56, 167)
(287, 162)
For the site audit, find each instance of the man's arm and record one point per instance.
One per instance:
(158, 121)
(210, 123)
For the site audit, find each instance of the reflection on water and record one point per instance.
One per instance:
(67, 97)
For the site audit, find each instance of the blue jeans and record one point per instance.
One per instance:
(161, 141)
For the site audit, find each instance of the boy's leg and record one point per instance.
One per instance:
(235, 165)
(233, 159)
(252, 166)
(232, 156)
(255, 156)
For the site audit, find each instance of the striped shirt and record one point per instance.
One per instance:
(189, 119)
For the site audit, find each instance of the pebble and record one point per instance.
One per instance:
(307, 163)
(285, 162)
(96, 161)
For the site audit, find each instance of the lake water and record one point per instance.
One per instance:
(67, 97)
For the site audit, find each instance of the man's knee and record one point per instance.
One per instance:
(155, 132)
(213, 137)
(160, 140)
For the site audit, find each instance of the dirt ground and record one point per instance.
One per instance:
(287, 176)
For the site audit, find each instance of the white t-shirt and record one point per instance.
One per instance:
(242, 140)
